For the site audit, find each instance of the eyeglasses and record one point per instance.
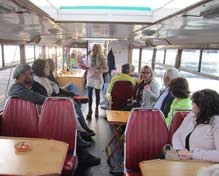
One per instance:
(145, 72)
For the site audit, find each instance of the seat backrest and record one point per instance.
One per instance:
(57, 121)
(121, 92)
(19, 118)
(178, 117)
(146, 134)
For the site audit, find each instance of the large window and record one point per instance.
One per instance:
(11, 54)
(39, 52)
(5, 84)
(59, 59)
(190, 59)
(160, 56)
(135, 58)
(170, 56)
(146, 58)
(210, 62)
(29, 53)
(197, 82)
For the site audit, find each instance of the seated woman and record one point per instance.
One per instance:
(47, 87)
(147, 90)
(179, 87)
(68, 87)
(198, 136)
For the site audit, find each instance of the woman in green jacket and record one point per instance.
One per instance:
(180, 89)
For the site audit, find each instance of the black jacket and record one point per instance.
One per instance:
(165, 108)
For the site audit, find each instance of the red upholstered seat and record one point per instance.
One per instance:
(19, 118)
(178, 117)
(122, 91)
(58, 122)
(146, 134)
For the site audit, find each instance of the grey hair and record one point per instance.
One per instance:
(19, 69)
(172, 73)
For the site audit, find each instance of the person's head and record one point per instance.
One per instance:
(126, 68)
(97, 49)
(179, 87)
(205, 104)
(132, 68)
(170, 74)
(41, 68)
(146, 73)
(23, 73)
(51, 65)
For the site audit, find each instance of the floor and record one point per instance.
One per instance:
(103, 133)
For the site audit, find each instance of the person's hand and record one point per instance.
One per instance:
(147, 87)
(184, 154)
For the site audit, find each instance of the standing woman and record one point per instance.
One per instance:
(97, 66)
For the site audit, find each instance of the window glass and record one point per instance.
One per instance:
(29, 53)
(160, 56)
(39, 52)
(11, 54)
(146, 58)
(1, 56)
(190, 59)
(6, 77)
(59, 59)
(210, 62)
(135, 58)
(197, 82)
(170, 56)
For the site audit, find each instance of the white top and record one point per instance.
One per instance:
(204, 140)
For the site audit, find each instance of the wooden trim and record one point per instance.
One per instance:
(200, 61)
(178, 58)
(153, 58)
(22, 54)
(140, 59)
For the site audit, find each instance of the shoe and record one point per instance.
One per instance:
(96, 113)
(88, 160)
(89, 115)
(91, 132)
(118, 171)
(82, 143)
(103, 107)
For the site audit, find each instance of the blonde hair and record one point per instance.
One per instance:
(148, 68)
(99, 54)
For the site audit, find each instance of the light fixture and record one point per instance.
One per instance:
(5, 9)
(210, 12)
(99, 39)
(36, 39)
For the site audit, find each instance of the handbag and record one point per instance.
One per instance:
(170, 153)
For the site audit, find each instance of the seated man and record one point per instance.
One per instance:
(21, 89)
(124, 76)
(166, 98)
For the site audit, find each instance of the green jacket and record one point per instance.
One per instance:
(185, 103)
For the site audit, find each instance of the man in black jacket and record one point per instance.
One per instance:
(165, 99)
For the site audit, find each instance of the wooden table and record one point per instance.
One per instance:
(45, 158)
(76, 76)
(171, 168)
(115, 119)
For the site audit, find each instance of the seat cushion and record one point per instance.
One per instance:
(69, 165)
(81, 99)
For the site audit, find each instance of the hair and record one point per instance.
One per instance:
(51, 65)
(126, 68)
(20, 69)
(207, 101)
(99, 54)
(149, 68)
(39, 66)
(132, 68)
(172, 73)
(179, 87)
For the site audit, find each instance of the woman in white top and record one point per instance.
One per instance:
(97, 66)
(198, 136)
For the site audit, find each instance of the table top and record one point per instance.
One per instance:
(73, 73)
(45, 157)
(171, 168)
(117, 117)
